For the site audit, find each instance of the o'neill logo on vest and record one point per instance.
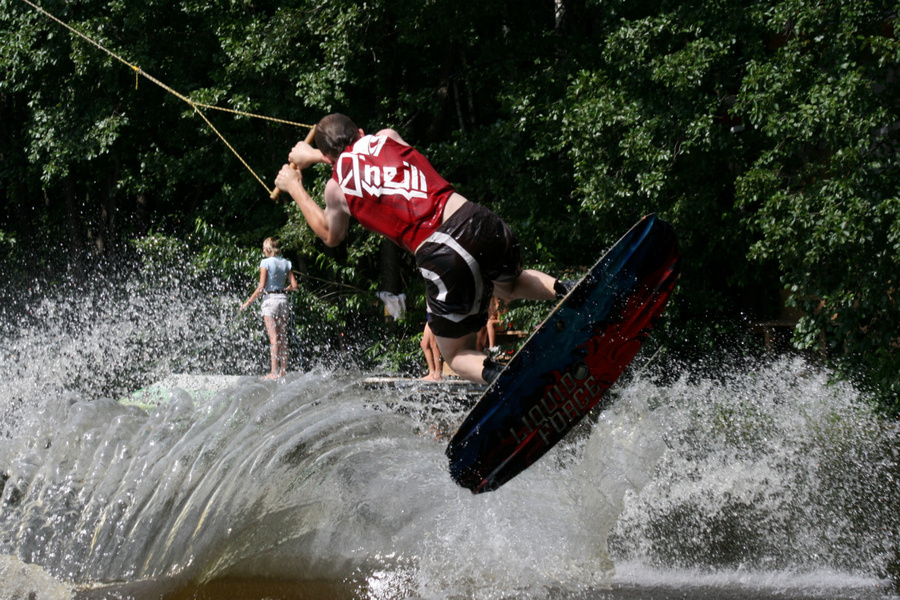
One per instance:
(562, 404)
(359, 173)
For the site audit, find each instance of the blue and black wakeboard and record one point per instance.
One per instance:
(574, 356)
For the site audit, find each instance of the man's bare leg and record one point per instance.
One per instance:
(461, 353)
(463, 358)
(529, 285)
(432, 354)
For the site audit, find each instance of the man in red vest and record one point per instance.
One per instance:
(464, 251)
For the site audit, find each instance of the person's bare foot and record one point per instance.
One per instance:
(272, 376)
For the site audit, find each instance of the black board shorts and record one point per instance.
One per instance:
(460, 261)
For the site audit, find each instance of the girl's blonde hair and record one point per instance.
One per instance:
(272, 244)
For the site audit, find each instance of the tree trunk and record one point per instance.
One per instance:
(390, 268)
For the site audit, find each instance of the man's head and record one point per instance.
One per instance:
(334, 133)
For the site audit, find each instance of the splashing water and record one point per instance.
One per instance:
(775, 470)
(100, 340)
(772, 478)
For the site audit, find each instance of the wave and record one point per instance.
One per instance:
(769, 470)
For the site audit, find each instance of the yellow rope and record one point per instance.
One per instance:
(196, 105)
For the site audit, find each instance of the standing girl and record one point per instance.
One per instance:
(274, 271)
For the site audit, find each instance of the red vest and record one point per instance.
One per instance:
(392, 189)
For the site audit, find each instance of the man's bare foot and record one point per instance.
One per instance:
(272, 376)
(432, 377)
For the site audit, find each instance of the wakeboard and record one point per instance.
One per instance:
(561, 372)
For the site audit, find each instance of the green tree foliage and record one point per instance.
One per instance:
(766, 132)
(649, 129)
(822, 189)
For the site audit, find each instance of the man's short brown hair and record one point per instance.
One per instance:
(334, 133)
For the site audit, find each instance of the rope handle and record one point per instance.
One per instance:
(309, 140)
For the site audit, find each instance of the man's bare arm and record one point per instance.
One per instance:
(393, 135)
(303, 155)
(330, 224)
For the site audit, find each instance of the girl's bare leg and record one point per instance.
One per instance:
(272, 330)
(281, 327)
